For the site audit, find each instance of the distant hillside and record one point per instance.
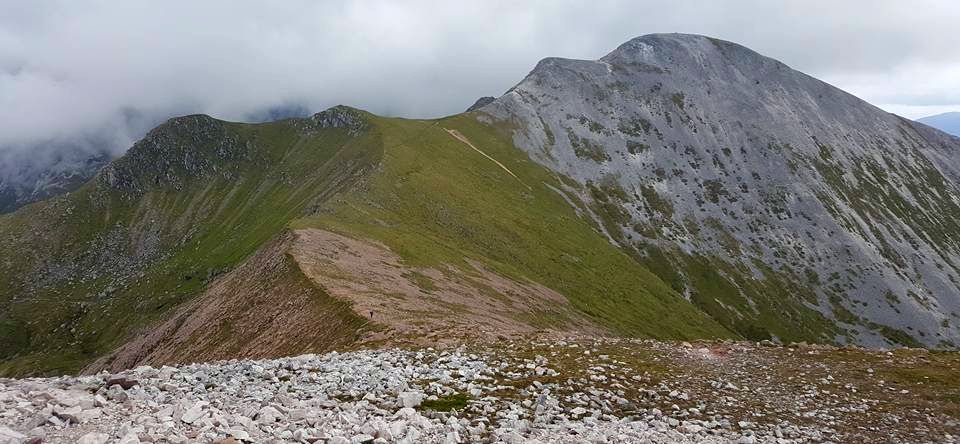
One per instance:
(946, 122)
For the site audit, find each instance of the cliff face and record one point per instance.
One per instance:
(771, 195)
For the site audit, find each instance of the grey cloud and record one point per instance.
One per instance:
(81, 69)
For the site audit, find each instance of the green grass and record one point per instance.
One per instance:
(456, 401)
(422, 281)
(436, 201)
(406, 183)
(937, 380)
(205, 224)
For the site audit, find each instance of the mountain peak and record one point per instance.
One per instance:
(180, 147)
(690, 145)
(689, 54)
(341, 116)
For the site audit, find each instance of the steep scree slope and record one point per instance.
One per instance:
(777, 203)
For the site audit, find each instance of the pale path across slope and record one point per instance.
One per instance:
(457, 135)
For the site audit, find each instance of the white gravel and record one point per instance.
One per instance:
(366, 396)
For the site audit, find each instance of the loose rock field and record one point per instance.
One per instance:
(576, 390)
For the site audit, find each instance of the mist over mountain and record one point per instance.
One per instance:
(70, 71)
(43, 171)
(29, 173)
(280, 112)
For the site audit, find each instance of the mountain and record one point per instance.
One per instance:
(946, 122)
(775, 202)
(44, 171)
(680, 187)
(214, 240)
(480, 103)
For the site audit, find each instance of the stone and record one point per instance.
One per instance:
(362, 438)
(124, 383)
(268, 415)
(410, 399)
(117, 393)
(129, 438)
(7, 434)
(94, 438)
(70, 414)
(194, 413)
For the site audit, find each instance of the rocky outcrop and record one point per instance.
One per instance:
(480, 103)
(182, 148)
(343, 117)
(775, 199)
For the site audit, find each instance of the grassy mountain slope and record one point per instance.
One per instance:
(436, 200)
(128, 255)
(187, 203)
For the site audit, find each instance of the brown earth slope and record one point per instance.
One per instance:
(311, 291)
(265, 307)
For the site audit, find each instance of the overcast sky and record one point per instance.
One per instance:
(71, 69)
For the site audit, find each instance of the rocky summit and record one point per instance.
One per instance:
(683, 241)
(773, 201)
